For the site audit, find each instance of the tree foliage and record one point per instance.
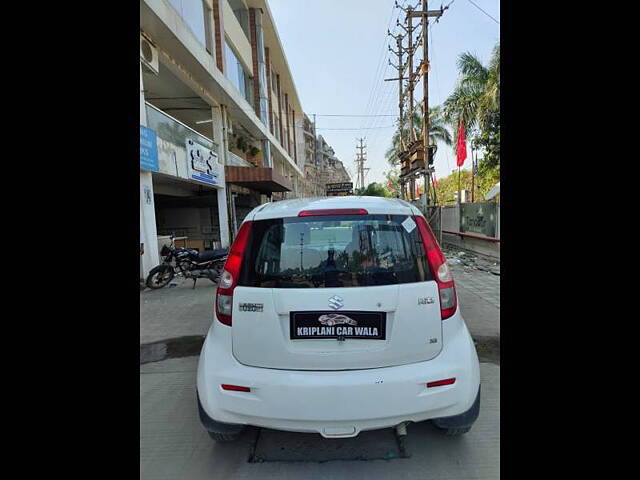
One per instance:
(373, 190)
(448, 187)
(392, 178)
(488, 141)
(485, 180)
(476, 103)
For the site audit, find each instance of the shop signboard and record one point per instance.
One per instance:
(202, 164)
(148, 149)
(339, 189)
(479, 218)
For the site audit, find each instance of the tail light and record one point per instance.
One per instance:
(439, 383)
(235, 388)
(230, 275)
(439, 268)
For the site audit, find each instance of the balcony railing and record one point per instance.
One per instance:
(172, 130)
(237, 161)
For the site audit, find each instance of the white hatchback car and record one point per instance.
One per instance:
(336, 315)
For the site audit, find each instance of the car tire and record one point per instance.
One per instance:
(223, 437)
(454, 432)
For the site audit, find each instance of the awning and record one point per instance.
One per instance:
(263, 179)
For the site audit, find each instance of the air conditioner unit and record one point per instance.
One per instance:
(148, 55)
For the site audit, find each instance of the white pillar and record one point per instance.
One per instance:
(151, 257)
(219, 136)
(223, 217)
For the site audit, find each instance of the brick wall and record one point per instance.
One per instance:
(270, 104)
(279, 108)
(254, 55)
(218, 33)
(295, 148)
(287, 144)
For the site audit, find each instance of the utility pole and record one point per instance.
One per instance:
(409, 14)
(425, 67)
(412, 132)
(424, 14)
(409, 19)
(400, 67)
(360, 159)
(414, 155)
(425, 101)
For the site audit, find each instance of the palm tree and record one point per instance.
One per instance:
(437, 132)
(476, 98)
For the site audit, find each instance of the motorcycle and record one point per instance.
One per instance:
(188, 263)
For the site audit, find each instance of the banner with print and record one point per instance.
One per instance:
(203, 165)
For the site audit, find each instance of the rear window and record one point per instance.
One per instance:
(334, 251)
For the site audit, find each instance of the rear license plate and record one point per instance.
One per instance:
(360, 325)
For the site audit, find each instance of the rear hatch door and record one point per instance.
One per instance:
(335, 293)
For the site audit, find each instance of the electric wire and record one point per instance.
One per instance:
(344, 115)
(379, 84)
(381, 60)
(478, 7)
(357, 128)
(381, 94)
(435, 75)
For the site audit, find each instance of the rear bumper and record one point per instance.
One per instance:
(212, 426)
(462, 420)
(339, 403)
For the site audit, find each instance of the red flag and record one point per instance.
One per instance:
(417, 190)
(435, 181)
(390, 186)
(462, 146)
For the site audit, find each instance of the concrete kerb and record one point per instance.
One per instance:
(488, 348)
(186, 346)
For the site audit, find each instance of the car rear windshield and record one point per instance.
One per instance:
(334, 251)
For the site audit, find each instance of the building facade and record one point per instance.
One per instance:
(220, 121)
(321, 166)
(329, 168)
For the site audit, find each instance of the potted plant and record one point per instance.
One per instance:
(255, 156)
(242, 144)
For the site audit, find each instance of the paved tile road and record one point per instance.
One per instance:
(479, 294)
(173, 444)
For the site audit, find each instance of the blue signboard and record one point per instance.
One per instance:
(148, 150)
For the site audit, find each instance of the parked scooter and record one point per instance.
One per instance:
(187, 262)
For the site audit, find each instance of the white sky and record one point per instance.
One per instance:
(338, 55)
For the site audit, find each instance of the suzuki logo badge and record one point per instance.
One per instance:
(336, 302)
